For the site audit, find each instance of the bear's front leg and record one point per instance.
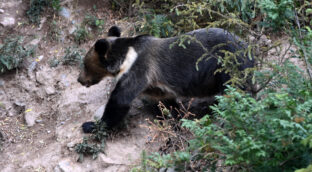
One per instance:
(126, 90)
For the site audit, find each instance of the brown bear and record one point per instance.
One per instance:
(159, 67)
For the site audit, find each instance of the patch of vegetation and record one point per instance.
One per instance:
(81, 35)
(86, 149)
(12, 53)
(73, 56)
(157, 25)
(94, 22)
(278, 13)
(37, 7)
(55, 32)
(269, 131)
(93, 144)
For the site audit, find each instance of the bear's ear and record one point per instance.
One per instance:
(101, 46)
(114, 31)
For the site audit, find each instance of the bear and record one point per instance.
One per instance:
(159, 67)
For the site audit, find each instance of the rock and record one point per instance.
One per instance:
(57, 169)
(7, 21)
(42, 21)
(1, 11)
(10, 114)
(50, 90)
(32, 66)
(72, 30)
(30, 117)
(65, 12)
(41, 77)
(67, 166)
(38, 121)
(35, 42)
(264, 40)
(71, 146)
(99, 112)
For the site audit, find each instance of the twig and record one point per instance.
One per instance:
(304, 52)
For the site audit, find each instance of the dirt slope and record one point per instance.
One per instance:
(42, 108)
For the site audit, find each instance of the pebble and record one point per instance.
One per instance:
(30, 118)
(38, 121)
(7, 21)
(65, 12)
(50, 90)
(1, 11)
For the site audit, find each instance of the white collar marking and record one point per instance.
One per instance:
(131, 56)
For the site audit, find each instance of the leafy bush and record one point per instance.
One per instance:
(157, 25)
(81, 35)
(72, 56)
(85, 149)
(36, 8)
(12, 54)
(94, 22)
(278, 13)
(265, 134)
(55, 32)
(93, 144)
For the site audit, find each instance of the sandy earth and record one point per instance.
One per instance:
(43, 108)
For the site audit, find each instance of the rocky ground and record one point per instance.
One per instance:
(43, 107)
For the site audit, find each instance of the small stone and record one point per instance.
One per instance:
(30, 118)
(7, 21)
(67, 166)
(65, 12)
(72, 30)
(50, 90)
(38, 121)
(10, 114)
(35, 42)
(62, 123)
(57, 169)
(1, 11)
(71, 146)
(41, 77)
(42, 21)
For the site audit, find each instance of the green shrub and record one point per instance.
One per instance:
(94, 22)
(278, 13)
(93, 144)
(36, 7)
(81, 35)
(12, 54)
(268, 132)
(265, 134)
(72, 56)
(85, 149)
(157, 25)
(55, 32)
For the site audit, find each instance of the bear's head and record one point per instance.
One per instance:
(96, 63)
